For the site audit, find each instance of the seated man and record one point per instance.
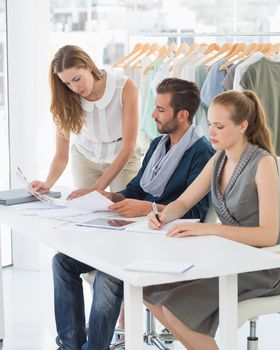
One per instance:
(170, 165)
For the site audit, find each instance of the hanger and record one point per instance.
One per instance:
(265, 48)
(136, 48)
(239, 47)
(274, 49)
(172, 49)
(173, 54)
(202, 48)
(235, 48)
(253, 47)
(226, 47)
(153, 50)
(183, 48)
(212, 47)
(163, 52)
(144, 49)
(194, 47)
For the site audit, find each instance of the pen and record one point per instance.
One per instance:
(155, 211)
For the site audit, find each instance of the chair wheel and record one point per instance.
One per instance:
(166, 331)
(58, 341)
(120, 346)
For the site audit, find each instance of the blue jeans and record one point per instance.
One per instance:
(69, 305)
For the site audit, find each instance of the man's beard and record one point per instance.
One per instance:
(169, 127)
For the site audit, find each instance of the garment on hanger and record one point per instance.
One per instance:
(149, 64)
(227, 83)
(262, 77)
(242, 67)
(213, 83)
(148, 125)
(201, 114)
(178, 66)
(188, 70)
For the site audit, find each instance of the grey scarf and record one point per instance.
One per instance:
(162, 165)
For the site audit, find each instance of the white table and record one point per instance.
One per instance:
(110, 250)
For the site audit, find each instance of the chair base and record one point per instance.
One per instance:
(58, 341)
(150, 338)
(252, 340)
(118, 345)
(252, 343)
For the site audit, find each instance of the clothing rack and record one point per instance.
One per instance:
(180, 36)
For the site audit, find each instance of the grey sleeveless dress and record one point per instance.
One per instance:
(196, 302)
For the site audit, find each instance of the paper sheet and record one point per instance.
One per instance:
(158, 266)
(143, 226)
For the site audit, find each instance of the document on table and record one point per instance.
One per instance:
(72, 211)
(146, 265)
(77, 210)
(93, 201)
(143, 226)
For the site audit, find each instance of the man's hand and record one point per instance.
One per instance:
(131, 207)
(114, 197)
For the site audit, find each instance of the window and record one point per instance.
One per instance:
(106, 28)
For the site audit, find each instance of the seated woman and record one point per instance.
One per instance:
(243, 179)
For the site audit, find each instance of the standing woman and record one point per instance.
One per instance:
(244, 184)
(101, 109)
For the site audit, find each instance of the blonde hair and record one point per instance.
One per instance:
(247, 106)
(65, 104)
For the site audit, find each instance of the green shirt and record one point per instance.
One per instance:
(263, 77)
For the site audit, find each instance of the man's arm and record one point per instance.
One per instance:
(133, 207)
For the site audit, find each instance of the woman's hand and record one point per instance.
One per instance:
(78, 193)
(40, 186)
(154, 223)
(190, 229)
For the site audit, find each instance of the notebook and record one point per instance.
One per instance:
(143, 226)
(21, 195)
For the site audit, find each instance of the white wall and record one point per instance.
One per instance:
(28, 61)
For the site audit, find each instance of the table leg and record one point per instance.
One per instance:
(228, 312)
(1, 301)
(133, 308)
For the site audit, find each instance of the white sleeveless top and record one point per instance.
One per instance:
(100, 138)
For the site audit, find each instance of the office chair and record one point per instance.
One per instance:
(151, 336)
(251, 309)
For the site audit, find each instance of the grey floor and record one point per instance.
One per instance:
(29, 321)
